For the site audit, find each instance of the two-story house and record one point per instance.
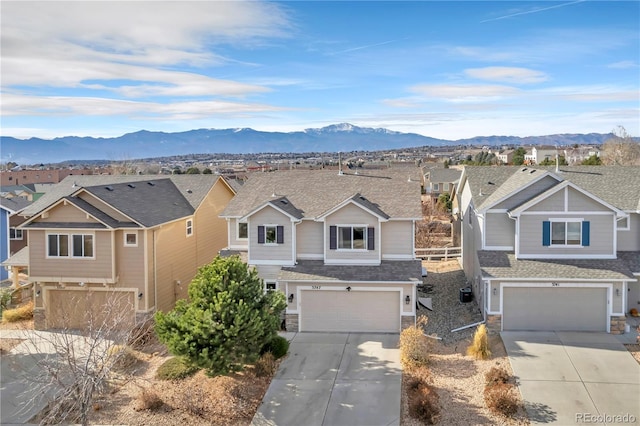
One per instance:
(440, 180)
(339, 245)
(549, 249)
(130, 241)
(12, 239)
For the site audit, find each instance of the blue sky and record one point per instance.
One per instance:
(443, 69)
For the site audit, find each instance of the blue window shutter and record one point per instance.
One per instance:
(546, 233)
(585, 233)
(333, 238)
(280, 234)
(371, 242)
(260, 234)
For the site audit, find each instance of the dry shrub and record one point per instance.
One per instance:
(194, 400)
(122, 357)
(423, 401)
(141, 335)
(148, 399)
(266, 365)
(501, 399)
(496, 376)
(479, 349)
(414, 346)
(20, 313)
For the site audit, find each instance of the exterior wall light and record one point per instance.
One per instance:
(139, 295)
(407, 300)
(349, 288)
(495, 291)
(291, 298)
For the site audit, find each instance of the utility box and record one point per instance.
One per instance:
(466, 295)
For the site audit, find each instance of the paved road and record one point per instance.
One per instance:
(334, 379)
(569, 378)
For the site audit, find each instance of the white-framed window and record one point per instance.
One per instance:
(242, 231)
(70, 245)
(131, 239)
(566, 233)
(270, 234)
(445, 186)
(270, 286)
(436, 186)
(352, 237)
(189, 227)
(15, 234)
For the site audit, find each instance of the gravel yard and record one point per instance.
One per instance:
(457, 378)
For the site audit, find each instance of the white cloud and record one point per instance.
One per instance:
(464, 92)
(624, 65)
(511, 75)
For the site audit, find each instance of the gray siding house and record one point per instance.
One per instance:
(552, 249)
(339, 245)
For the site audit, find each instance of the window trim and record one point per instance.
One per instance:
(126, 243)
(238, 237)
(364, 237)
(275, 235)
(70, 245)
(189, 227)
(279, 232)
(268, 282)
(15, 231)
(566, 221)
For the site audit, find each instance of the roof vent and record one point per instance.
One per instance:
(130, 185)
(151, 184)
(491, 183)
(524, 170)
(532, 171)
(189, 191)
(284, 201)
(109, 188)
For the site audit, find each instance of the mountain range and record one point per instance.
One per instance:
(338, 137)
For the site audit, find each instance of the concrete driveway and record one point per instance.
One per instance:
(335, 379)
(568, 378)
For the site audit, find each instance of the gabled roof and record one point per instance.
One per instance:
(14, 205)
(283, 205)
(361, 201)
(514, 183)
(617, 185)
(395, 192)
(147, 200)
(444, 175)
(99, 214)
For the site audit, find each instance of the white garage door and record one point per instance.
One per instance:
(354, 311)
(554, 308)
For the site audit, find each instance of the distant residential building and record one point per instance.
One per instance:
(438, 181)
(25, 177)
(539, 154)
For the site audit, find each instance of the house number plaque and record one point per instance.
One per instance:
(316, 287)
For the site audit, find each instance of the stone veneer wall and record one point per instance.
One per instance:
(494, 323)
(291, 321)
(38, 319)
(407, 322)
(617, 324)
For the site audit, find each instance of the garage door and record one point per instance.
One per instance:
(75, 309)
(354, 311)
(554, 308)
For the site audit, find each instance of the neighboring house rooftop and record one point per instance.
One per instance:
(444, 175)
(500, 264)
(15, 204)
(180, 194)
(617, 185)
(388, 193)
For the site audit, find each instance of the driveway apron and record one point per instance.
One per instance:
(575, 377)
(335, 379)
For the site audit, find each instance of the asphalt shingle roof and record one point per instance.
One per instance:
(632, 259)
(169, 198)
(314, 192)
(500, 264)
(14, 204)
(317, 270)
(444, 175)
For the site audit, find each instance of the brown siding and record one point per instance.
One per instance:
(211, 230)
(97, 269)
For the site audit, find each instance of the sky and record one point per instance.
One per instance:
(445, 69)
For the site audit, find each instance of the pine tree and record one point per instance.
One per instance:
(227, 319)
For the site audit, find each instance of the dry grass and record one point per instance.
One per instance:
(26, 324)
(479, 349)
(21, 313)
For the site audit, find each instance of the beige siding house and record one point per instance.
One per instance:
(552, 249)
(121, 247)
(339, 245)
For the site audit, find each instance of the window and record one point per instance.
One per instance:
(270, 286)
(189, 227)
(573, 232)
(83, 245)
(76, 245)
(243, 230)
(131, 239)
(15, 234)
(270, 234)
(445, 186)
(351, 237)
(436, 186)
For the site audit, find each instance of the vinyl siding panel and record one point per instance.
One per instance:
(397, 239)
(309, 238)
(630, 240)
(130, 262)
(233, 234)
(601, 236)
(553, 203)
(352, 215)
(67, 213)
(527, 193)
(270, 252)
(500, 230)
(210, 230)
(98, 268)
(580, 202)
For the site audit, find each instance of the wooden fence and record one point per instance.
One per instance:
(444, 253)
